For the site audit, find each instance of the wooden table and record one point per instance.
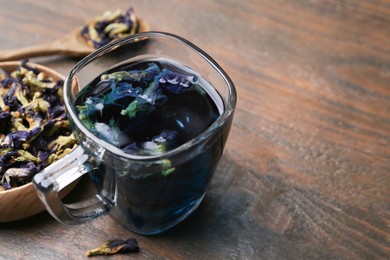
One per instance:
(306, 170)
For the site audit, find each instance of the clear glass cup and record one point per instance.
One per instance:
(130, 187)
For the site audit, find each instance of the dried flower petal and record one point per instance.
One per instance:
(110, 26)
(115, 246)
(33, 125)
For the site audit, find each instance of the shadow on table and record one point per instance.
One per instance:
(31, 223)
(223, 220)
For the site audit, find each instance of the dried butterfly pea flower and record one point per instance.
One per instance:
(5, 115)
(110, 26)
(34, 130)
(22, 174)
(115, 246)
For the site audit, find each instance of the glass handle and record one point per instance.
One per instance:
(59, 175)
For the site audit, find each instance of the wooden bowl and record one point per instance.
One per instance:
(22, 202)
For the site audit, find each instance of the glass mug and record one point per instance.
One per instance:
(129, 187)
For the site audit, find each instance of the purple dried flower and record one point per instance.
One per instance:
(115, 246)
(15, 139)
(101, 42)
(6, 186)
(8, 81)
(110, 26)
(4, 115)
(32, 117)
(99, 26)
(4, 159)
(25, 65)
(58, 111)
(39, 144)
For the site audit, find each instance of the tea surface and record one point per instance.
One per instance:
(148, 107)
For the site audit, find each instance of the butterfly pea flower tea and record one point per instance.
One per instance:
(147, 108)
(152, 124)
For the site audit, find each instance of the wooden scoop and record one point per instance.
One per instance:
(71, 44)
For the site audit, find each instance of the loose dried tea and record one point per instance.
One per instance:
(115, 246)
(34, 130)
(110, 26)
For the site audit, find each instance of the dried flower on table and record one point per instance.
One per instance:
(115, 246)
(34, 130)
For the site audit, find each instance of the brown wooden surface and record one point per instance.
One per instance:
(306, 170)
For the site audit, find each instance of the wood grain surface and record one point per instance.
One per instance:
(306, 170)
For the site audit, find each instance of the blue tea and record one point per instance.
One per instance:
(149, 108)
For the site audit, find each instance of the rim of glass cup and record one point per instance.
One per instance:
(229, 106)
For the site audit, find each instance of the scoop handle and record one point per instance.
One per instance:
(54, 178)
(71, 44)
(30, 52)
